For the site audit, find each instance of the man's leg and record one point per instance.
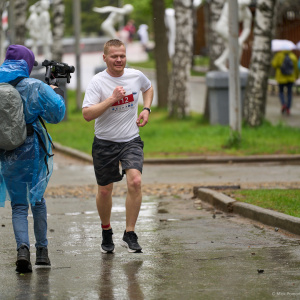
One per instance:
(20, 225)
(134, 198)
(282, 98)
(39, 211)
(289, 96)
(104, 205)
(133, 205)
(17, 192)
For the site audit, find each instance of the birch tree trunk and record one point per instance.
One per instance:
(161, 52)
(20, 20)
(256, 89)
(216, 43)
(181, 61)
(58, 29)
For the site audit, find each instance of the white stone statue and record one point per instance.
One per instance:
(143, 35)
(222, 28)
(171, 28)
(33, 26)
(45, 28)
(170, 23)
(116, 16)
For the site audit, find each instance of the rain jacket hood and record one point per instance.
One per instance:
(13, 69)
(19, 52)
(29, 165)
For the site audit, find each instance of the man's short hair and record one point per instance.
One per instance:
(112, 43)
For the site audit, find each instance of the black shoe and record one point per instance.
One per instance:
(130, 242)
(42, 256)
(107, 245)
(23, 260)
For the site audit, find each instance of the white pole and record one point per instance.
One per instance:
(77, 27)
(234, 75)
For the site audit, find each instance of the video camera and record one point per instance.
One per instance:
(56, 70)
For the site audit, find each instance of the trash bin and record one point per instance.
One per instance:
(218, 95)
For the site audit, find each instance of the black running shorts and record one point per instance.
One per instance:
(107, 156)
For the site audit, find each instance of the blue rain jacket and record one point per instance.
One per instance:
(23, 171)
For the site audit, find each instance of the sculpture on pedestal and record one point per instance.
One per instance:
(39, 27)
(33, 26)
(222, 28)
(116, 16)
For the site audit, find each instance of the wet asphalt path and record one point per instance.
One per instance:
(189, 252)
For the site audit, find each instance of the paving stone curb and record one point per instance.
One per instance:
(256, 213)
(191, 160)
(73, 152)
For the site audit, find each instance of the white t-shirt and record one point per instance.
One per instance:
(118, 122)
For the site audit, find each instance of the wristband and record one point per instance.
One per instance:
(146, 108)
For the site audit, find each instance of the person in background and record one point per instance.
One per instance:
(26, 170)
(111, 99)
(285, 64)
(130, 27)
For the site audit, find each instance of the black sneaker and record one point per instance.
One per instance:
(107, 245)
(23, 260)
(42, 256)
(130, 242)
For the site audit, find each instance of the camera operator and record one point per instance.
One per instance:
(26, 170)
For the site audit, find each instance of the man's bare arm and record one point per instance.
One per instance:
(95, 111)
(148, 97)
(144, 115)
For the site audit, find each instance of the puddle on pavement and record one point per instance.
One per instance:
(90, 212)
(73, 214)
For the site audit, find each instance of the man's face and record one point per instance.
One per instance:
(115, 60)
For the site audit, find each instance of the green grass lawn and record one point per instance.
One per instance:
(284, 201)
(165, 137)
